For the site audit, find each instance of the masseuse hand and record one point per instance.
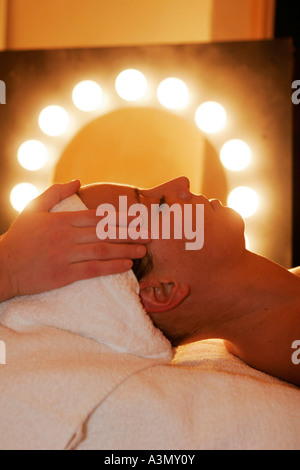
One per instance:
(43, 251)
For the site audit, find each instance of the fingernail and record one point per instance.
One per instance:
(128, 264)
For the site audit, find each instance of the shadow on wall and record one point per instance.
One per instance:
(142, 147)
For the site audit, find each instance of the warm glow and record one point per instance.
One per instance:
(210, 117)
(131, 85)
(32, 155)
(173, 93)
(22, 194)
(244, 200)
(235, 155)
(54, 120)
(87, 95)
(247, 243)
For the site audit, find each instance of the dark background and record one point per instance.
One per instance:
(287, 24)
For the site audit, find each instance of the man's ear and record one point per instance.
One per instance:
(160, 296)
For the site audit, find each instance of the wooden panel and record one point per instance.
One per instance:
(236, 20)
(263, 15)
(3, 19)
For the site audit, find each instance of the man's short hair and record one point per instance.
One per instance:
(143, 266)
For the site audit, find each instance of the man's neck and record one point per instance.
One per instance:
(254, 291)
(259, 319)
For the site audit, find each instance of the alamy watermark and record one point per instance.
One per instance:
(2, 352)
(296, 94)
(296, 354)
(2, 92)
(188, 222)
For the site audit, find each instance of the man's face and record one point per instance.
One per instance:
(223, 232)
(223, 227)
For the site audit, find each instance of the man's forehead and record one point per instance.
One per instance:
(117, 189)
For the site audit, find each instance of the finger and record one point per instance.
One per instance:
(53, 195)
(84, 235)
(90, 269)
(106, 251)
(81, 235)
(123, 219)
(89, 217)
(84, 218)
(114, 234)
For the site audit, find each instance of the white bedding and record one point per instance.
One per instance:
(206, 399)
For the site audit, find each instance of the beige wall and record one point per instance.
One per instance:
(3, 23)
(32, 24)
(69, 23)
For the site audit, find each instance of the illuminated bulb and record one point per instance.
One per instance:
(32, 155)
(235, 155)
(54, 120)
(22, 194)
(210, 117)
(244, 200)
(131, 85)
(173, 93)
(87, 95)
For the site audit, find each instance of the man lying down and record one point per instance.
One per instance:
(218, 291)
(53, 380)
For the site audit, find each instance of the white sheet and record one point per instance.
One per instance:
(207, 399)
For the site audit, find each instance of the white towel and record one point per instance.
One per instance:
(61, 355)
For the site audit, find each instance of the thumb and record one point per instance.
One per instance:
(53, 195)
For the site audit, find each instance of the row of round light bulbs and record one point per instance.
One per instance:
(131, 85)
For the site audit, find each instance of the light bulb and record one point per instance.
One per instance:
(32, 155)
(22, 194)
(210, 117)
(235, 155)
(131, 85)
(87, 95)
(244, 200)
(173, 93)
(53, 120)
